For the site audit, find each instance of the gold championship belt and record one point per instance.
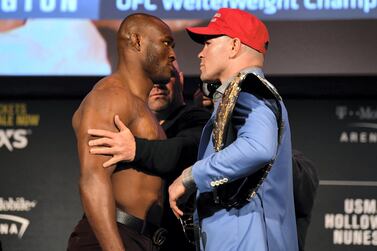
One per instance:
(237, 193)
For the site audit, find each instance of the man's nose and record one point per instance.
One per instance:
(172, 55)
(159, 86)
(200, 54)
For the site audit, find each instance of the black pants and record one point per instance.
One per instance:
(83, 239)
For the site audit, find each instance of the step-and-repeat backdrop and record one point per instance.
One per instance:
(340, 136)
(39, 200)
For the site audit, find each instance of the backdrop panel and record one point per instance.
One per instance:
(39, 201)
(340, 136)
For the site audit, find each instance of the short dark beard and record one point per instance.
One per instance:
(152, 63)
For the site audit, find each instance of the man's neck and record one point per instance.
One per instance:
(139, 84)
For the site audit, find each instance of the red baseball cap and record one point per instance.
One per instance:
(234, 23)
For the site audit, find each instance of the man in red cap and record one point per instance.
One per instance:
(244, 173)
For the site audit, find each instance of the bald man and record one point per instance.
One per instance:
(123, 206)
(183, 124)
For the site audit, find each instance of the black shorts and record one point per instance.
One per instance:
(83, 239)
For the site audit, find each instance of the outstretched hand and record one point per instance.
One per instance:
(121, 145)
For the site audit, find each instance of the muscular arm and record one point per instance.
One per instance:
(95, 183)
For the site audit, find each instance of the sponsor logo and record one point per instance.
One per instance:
(18, 204)
(14, 138)
(12, 224)
(361, 124)
(14, 115)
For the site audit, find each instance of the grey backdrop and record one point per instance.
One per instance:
(46, 171)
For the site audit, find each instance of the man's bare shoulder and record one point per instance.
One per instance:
(110, 89)
(108, 97)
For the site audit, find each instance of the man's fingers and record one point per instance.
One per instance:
(119, 124)
(100, 133)
(101, 141)
(111, 162)
(173, 205)
(102, 150)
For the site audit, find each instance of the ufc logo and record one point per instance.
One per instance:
(13, 138)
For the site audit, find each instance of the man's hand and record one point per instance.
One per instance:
(119, 144)
(176, 191)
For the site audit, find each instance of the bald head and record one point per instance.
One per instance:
(145, 48)
(136, 24)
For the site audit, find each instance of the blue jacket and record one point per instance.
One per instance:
(268, 221)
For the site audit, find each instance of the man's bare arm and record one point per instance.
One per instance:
(95, 182)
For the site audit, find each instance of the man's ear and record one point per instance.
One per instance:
(236, 47)
(181, 79)
(134, 41)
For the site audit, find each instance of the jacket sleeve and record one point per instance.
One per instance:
(163, 157)
(255, 145)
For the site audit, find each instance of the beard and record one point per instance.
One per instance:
(158, 73)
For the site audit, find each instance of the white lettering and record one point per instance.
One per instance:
(216, 4)
(364, 221)
(4, 228)
(309, 5)
(374, 238)
(47, 5)
(347, 237)
(365, 5)
(124, 5)
(368, 5)
(338, 237)
(189, 5)
(20, 140)
(339, 221)
(373, 221)
(252, 4)
(28, 5)
(359, 206)
(343, 137)
(366, 238)
(68, 5)
(370, 206)
(8, 5)
(356, 237)
(358, 137)
(13, 229)
(13, 138)
(355, 224)
(169, 4)
(18, 204)
(373, 137)
(329, 221)
(5, 136)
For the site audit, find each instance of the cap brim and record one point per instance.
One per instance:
(202, 34)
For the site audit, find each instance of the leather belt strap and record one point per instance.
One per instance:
(155, 233)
